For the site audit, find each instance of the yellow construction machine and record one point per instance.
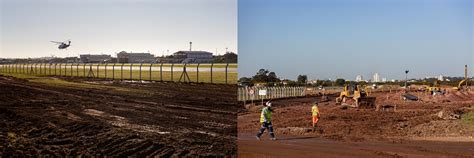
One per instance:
(354, 93)
(463, 83)
(460, 86)
(435, 88)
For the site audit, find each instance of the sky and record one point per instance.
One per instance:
(345, 38)
(111, 26)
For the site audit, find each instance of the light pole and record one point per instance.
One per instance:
(406, 78)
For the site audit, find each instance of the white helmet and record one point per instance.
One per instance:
(269, 104)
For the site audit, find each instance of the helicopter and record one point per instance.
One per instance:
(63, 45)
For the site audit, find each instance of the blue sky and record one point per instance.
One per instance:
(343, 38)
(109, 26)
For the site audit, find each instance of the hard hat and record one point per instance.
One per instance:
(268, 103)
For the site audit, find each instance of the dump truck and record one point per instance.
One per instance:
(354, 93)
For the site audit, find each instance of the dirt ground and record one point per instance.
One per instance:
(154, 119)
(431, 127)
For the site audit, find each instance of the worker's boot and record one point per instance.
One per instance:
(258, 138)
(273, 138)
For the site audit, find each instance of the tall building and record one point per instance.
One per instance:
(376, 78)
(359, 78)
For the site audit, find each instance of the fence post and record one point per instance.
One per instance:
(106, 70)
(77, 69)
(197, 73)
(131, 71)
(121, 72)
(36, 68)
(151, 65)
(49, 70)
(84, 69)
(226, 66)
(55, 67)
(172, 65)
(72, 70)
(65, 69)
(113, 71)
(140, 74)
(98, 64)
(161, 71)
(212, 65)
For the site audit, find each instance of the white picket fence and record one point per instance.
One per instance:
(245, 93)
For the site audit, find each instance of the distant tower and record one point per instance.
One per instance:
(376, 77)
(190, 46)
(359, 78)
(465, 74)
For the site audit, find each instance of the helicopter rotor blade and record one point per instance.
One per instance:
(56, 42)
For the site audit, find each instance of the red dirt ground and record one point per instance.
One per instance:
(169, 119)
(398, 132)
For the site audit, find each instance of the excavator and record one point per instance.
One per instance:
(460, 86)
(463, 83)
(354, 93)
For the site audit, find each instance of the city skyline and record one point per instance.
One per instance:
(108, 27)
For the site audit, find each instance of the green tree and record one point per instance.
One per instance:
(265, 76)
(340, 82)
(302, 79)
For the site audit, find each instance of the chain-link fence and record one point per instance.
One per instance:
(225, 73)
(259, 93)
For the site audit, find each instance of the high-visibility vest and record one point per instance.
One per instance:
(266, 113)
(315, 110)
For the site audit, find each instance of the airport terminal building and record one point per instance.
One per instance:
(91, 58)
(124, 57)
(194, 56)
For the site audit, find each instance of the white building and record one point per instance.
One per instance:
(441, 77)
(94, 58)
(124, 57)
(194, 56)
(359, 78)
(376, 78)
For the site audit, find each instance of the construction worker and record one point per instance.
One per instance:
(266, 121)
(315, 113)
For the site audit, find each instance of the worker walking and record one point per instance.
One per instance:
(315, 113)
(266, 121)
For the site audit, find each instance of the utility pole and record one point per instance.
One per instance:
(406, 78)
(465, 75)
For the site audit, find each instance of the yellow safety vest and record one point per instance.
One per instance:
(266, 113)
(315, 110)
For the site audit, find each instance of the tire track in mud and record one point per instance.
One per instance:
(41, 120)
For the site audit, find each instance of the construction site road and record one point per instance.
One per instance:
(309, 146)
(101, 118)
